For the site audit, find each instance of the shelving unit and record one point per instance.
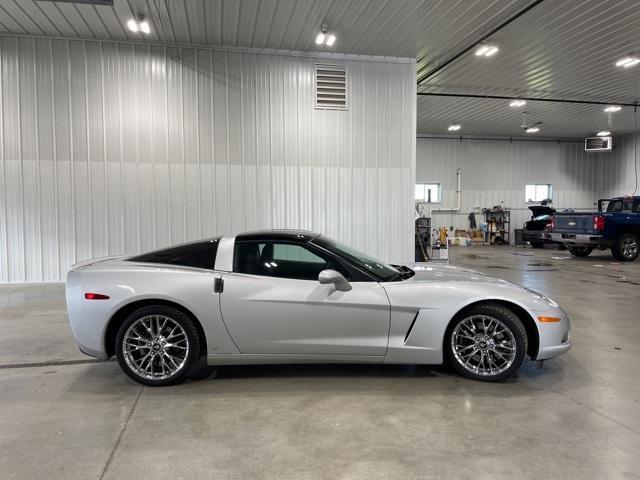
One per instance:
(498, 226)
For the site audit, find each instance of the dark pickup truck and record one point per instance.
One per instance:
(617, 228)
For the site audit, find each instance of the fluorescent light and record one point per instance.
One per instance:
(627, 62)
(140, 25)
(320, 38)
(532, 130)
(144, 27)
(486, 50)
(454, 128)
(613, 108)
(517, 103)
(132, 25)
(491, 51)
(331, 39)
(603, 133)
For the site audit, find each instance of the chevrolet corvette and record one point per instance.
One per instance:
(290, 296)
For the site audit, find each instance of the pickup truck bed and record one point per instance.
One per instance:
(617, 228)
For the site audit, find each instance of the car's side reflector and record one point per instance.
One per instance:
(96, 296)
(549, 319)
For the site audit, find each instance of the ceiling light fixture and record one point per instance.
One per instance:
(603, 133)
(532, 130)
(518, 103)
(325, 38)
(613, 108)
(486, 50)
(627, 62)
(140, 25)
(454, 128)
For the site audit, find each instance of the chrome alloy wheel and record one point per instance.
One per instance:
(483, 345)
(630, 247)
(155, 347)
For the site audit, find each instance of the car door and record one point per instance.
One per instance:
(272, 303)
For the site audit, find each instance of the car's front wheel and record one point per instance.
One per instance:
(580, 251)
(626, 248)
(157, 345)
(487, 342)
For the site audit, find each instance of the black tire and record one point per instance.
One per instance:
(537, 244)
(626, 248)
(509, 320)
(192, 345)
(580, 251)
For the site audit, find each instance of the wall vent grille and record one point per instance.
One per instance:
(331, 87)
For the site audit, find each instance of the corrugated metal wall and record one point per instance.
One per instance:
(496, 171)
(111, 148)
(622, 178)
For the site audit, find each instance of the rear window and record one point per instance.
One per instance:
(196, 254)
(621, 205)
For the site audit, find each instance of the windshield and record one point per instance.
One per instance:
(380, 269)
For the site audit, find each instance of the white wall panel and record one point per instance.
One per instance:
(495, 171)
(112, 148)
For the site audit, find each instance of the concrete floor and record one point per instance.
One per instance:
(578, 417)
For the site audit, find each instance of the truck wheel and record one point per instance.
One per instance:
(627, 247)
(580, 251)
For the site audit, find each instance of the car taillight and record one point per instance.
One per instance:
(553, 223)
(598, 222)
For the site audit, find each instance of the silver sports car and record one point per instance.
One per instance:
(288, 296)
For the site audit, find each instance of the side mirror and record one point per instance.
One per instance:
(336, 278)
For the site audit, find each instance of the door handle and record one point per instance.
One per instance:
(218, 285)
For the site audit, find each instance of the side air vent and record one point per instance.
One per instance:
(598, 144)
(331, 87)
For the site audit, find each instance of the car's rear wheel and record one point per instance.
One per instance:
(627, 248)
(487, 342)
(580, 251)
(157, 345)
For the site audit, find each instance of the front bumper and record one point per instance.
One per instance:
(555, 338)
(579, 239)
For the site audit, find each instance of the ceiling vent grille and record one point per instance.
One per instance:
(331, 87)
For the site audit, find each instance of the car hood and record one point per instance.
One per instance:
(430, 272)
(440, 284)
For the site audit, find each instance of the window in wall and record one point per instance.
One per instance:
(428, 192)
(537, 192)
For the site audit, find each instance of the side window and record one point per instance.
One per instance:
(636, 206)
(197, 254)
(283, 251)
(284, 260)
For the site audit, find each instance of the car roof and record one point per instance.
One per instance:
(278, 234)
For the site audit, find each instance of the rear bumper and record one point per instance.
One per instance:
(541, 235)
(580, 239)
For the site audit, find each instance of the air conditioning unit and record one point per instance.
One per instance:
(598, 144)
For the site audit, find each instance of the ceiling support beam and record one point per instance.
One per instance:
(532, 99)
(508, 21)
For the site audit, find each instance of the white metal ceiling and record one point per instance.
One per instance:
(401, 28)
(495, 117)
(559, 49)
(563, 49)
